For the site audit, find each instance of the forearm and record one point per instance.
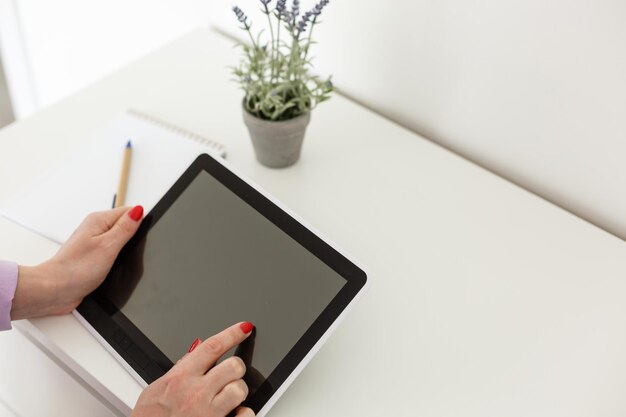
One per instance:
(30, 284)
(36, 295)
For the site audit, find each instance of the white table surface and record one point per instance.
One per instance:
(485, 301)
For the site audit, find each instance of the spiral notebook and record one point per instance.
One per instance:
(54, 204)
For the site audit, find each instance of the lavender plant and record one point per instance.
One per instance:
(274, 74)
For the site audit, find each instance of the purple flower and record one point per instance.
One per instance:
(313, 13)
(281, 10)
(306, 17)
(241, 16)
(281, 6)
(317, 10)
(295, 10)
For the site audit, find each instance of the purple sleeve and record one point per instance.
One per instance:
(8, 283)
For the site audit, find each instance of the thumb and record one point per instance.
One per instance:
(124, 228)
(244, 412)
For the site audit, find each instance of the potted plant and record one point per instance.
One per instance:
(273, 73)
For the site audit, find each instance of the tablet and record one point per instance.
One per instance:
(214, 251)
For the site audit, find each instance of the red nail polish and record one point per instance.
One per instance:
(246, 327)
(136, 213)
(194, 345)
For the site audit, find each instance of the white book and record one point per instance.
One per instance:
(55, 203)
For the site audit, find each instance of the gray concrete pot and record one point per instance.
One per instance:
(276, 144)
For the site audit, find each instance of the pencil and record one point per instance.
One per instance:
(123, 184)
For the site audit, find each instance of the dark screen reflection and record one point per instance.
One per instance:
(245, 351)
(125, 274)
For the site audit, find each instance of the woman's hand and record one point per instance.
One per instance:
(194, 387)
(58, 286)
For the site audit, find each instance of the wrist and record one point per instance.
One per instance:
(34, 294)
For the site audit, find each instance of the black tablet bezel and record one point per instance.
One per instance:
(148, 361)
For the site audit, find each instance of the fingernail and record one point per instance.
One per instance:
(136, 213)
(246, 327)
(194, 345)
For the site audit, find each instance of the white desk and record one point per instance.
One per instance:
(485, 300)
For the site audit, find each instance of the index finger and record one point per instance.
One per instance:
(208, 352)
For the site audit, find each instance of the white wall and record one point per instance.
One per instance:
(53, 48)
(532, 89)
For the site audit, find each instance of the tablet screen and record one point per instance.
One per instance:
(211, 260)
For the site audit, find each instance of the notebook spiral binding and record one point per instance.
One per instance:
(216, 146)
